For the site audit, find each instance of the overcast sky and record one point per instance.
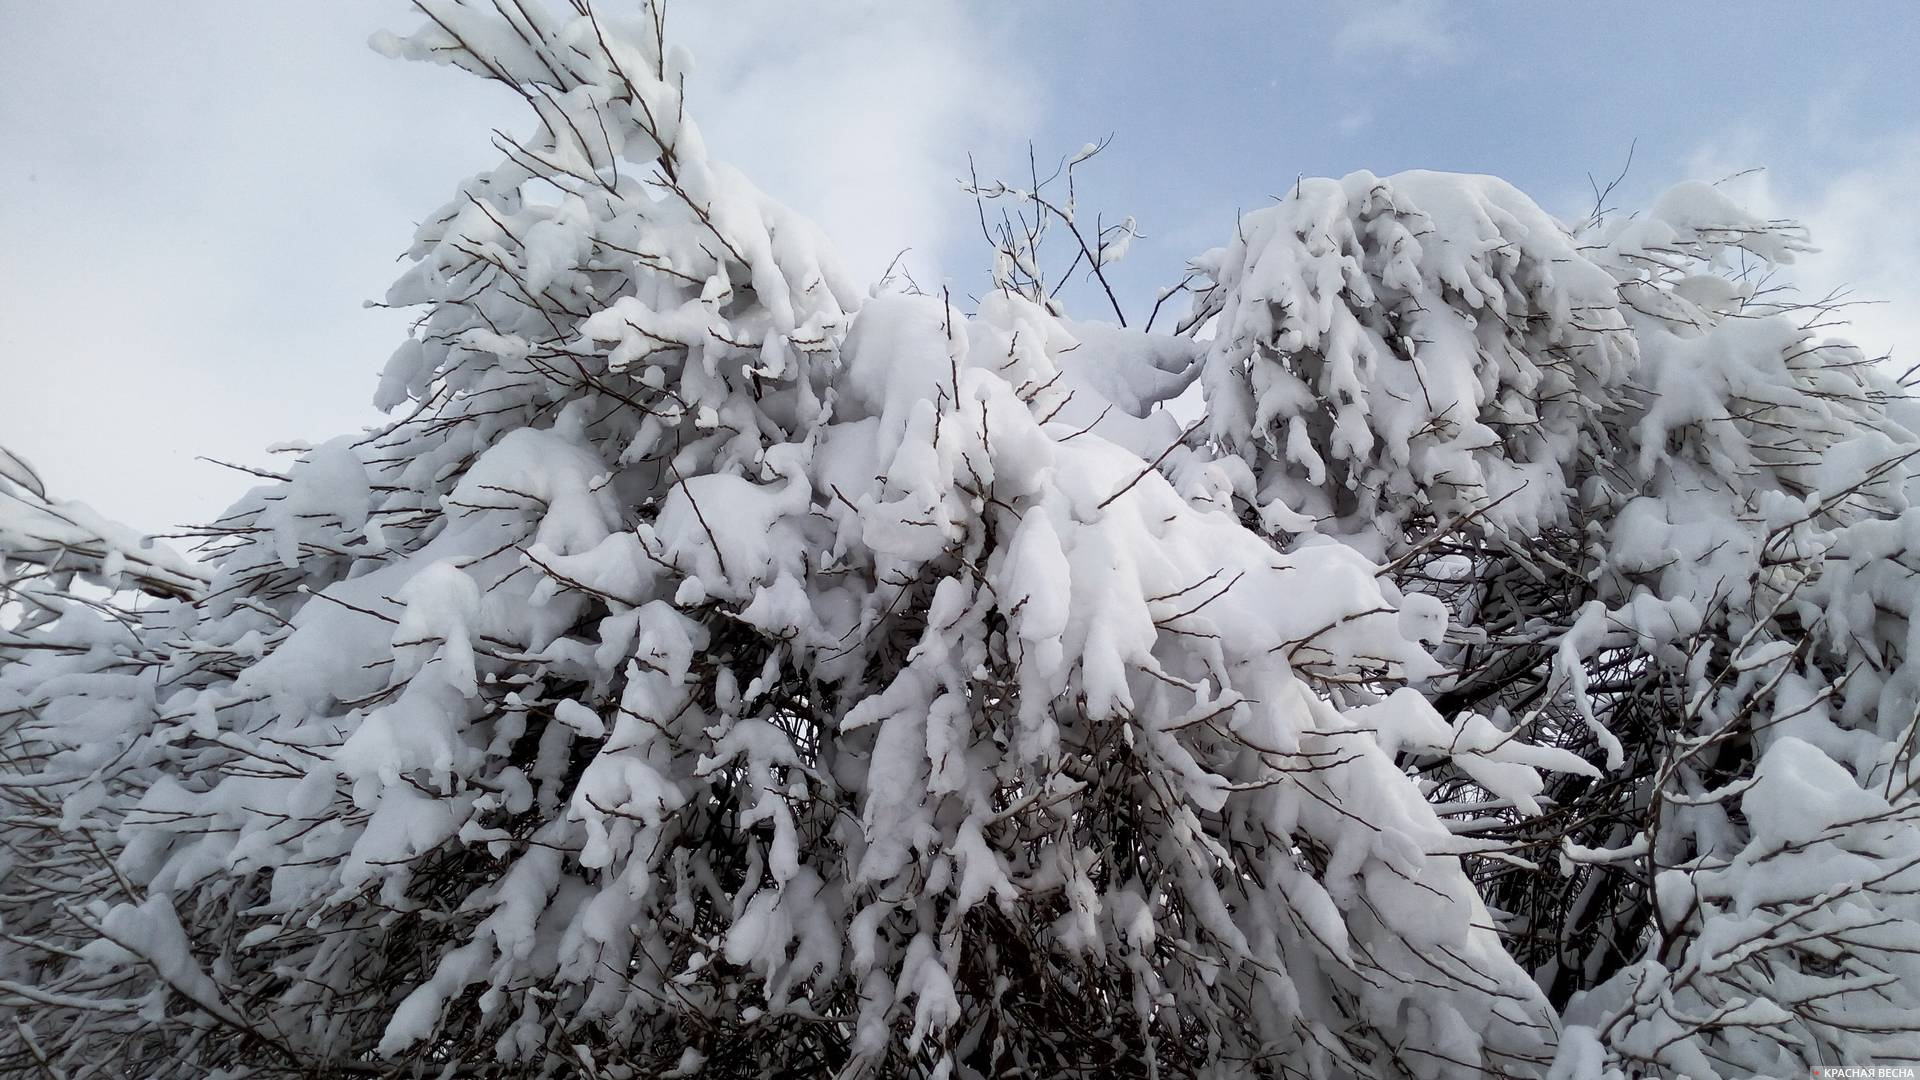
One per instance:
(197, 196)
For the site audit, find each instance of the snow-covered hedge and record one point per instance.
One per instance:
(714, 670)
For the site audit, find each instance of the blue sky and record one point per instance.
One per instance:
(197, 196)
(1220, 104)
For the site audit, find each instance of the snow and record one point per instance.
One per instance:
(1799, 793)
(1499, 667)
(67, 536)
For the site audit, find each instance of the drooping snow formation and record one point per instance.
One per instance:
(715, 671)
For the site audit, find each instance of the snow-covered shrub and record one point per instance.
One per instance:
(83, 604)
(713, 670)
(1671, 524)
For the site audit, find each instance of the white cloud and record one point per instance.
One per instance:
(859, 113)
(1417, 32)
(198, 201)
(1861, 205)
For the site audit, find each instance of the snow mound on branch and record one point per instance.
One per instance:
(67, 537)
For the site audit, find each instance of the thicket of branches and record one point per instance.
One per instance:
(1500, 668)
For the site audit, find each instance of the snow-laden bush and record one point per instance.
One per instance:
(77, 649)
(716, 671)
(1671, 523)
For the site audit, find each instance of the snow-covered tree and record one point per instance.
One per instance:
(715, 670)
